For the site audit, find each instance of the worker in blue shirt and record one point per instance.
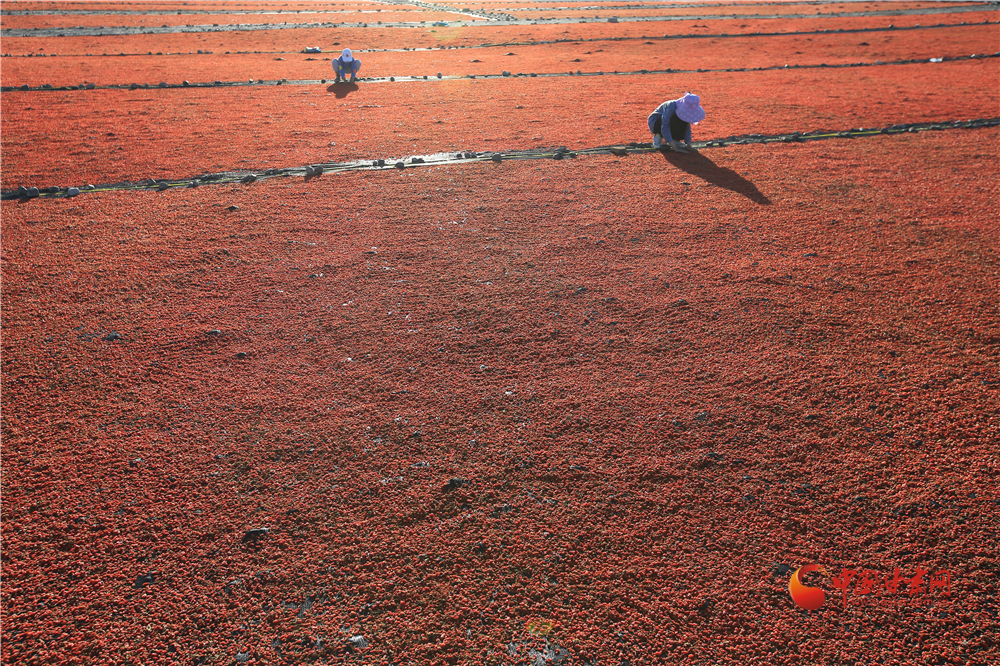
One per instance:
(671, 122)
(344, 65)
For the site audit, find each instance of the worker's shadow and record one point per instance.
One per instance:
(698, 165)
(342, 90)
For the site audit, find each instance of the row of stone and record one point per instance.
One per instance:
(508, 21)
(505, 73)
(531, 43)
(559, 153)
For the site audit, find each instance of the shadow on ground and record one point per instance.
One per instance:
(698, 165)
(341, 90)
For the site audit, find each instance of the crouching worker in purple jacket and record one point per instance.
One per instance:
(344, 65)
(671, 122)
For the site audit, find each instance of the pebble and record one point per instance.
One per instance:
(214, 331)
(73, 191)
(112, 336)
(187, 83)
(416, 160)
(455, 482)
(497, 157)
(31, 192)
(255, 534)
(357, 642)
(233, 208)
(620, 152)
(162, 185)
(241, 355)
(439, 75)
(249, 178)
(146, 579)
(400, 165)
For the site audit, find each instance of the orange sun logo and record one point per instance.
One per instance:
(810, 598)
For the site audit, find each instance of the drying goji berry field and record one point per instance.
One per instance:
(449, 365)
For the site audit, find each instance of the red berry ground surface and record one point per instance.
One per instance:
(573, 401)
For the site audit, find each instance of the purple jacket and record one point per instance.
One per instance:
(665, 112)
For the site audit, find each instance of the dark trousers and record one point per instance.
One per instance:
(678, 128)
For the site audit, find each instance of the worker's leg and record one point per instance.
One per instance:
(657, 136)
(355, 67)
(678, 133)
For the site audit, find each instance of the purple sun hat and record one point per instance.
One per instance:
(689, 109)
